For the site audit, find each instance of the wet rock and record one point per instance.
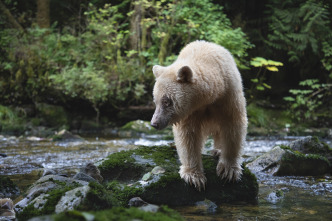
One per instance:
(284, 160)
(149, 208)
(72, 199)
(206, 206)
(65, 135)
(8, 188)
(116, 213)
(312, 145)
(268, 162)
(136, 202)
(48, 172)
(3, 155)
(43, 196)
(275, 196)
(139, 126)
(7, 209)
(165, 186)
(93, 171)
(84, 177)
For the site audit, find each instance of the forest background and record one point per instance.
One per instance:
(93, 59)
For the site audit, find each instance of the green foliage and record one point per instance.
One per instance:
(258, 83)
(11, 120)
(298, 26)
(177, 23)
(305, 102)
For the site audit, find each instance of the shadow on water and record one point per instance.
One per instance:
(305, 198)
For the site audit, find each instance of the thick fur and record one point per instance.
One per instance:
(201, 94)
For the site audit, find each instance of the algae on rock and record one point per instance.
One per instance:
(303, 157)
(168, 188)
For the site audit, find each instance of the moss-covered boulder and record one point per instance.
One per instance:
(45, 194)
(312, 145)
(137, 127)
(7, 188)
(305, 157)
(152, 174)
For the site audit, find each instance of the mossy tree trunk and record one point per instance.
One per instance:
(135, 26)
(163, 48)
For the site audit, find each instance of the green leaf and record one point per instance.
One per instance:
(260, 88)
(272, 68)
(267, 86)
(254, 80)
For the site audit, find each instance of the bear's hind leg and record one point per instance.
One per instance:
(189, 144)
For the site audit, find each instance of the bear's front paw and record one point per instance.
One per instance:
(193, 177)
(231, 172)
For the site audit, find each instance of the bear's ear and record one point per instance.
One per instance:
(157, 69)
(185, 75)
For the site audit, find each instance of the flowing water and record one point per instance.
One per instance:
(303, 198)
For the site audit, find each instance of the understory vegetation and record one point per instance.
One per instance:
(96, 57)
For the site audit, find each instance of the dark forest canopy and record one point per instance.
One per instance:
(99, 53)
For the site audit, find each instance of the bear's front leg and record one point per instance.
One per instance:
(188, 144)
(228, 150)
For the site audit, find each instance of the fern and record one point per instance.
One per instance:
(297, 26)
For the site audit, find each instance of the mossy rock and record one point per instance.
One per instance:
(139, 126)
(136, 127)
(299, 164)
(283, 161)
(116, 214)
(129, 167)
(44, 195)
(8, 188)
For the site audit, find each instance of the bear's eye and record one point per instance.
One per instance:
(167, 102)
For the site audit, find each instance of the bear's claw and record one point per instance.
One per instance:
(193, 177)
(228, 171)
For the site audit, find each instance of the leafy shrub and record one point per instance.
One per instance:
(305, 103)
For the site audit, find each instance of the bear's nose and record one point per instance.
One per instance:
(154, 124)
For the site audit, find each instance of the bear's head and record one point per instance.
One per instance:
(173, 94)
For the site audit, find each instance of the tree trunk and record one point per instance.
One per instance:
(9, 17)
(135, 27)
(43, 13)
(163, 48)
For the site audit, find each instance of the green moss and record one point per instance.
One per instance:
(123, 193)
(49, 207)
(296, 163)
(119, 166)
(7, 183)
(121, 214)
(161, 155)
(123, 166)
(98, 198)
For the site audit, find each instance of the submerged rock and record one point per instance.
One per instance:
(304, 157)
(166, 186)
(65, 135)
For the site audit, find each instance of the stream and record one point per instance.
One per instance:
(305, 198)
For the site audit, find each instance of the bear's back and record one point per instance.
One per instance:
(203, 51)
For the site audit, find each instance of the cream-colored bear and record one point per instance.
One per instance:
(201, 94)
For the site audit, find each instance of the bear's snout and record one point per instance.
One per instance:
(158, 120)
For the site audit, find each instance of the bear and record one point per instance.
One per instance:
(201, 95)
